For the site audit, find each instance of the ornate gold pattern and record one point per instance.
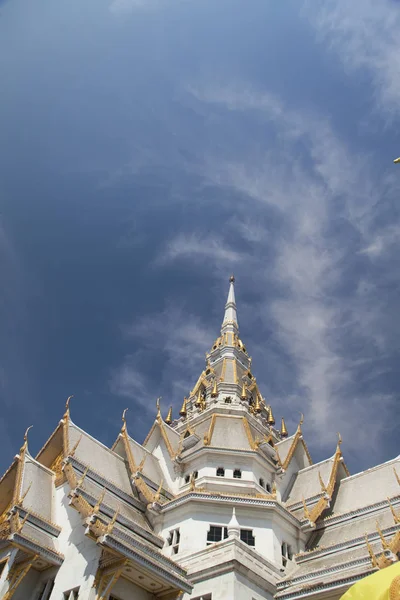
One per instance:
(324, 501)
(71, 476)
(394, 590)
(57, 468)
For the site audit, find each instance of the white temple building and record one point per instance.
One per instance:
(219, 504)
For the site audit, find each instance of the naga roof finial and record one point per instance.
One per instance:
(66, 414)
(124, 419)
(158, 407)
(25, 444)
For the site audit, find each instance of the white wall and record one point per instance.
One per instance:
(81, 553)
(194, 519)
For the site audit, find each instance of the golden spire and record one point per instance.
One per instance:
(214, 392)
(183, 411)
(257, 404)
(284, 431)
(397, 160)
(270, 417)
(396, 517)
(244, 393)
(199, 400)
(168, 420)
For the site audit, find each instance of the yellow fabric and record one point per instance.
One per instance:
(382, 585)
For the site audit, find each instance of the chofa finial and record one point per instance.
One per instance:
(158, 407)
(124, 419)
(26, 435)
(66, 414)
(339, 440)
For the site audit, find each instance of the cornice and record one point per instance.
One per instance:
(333, 585)
(180, 581)
(165, 560)
(334, 519)
(304, 557)
(105, 483)
(35, 519)
(327, 571)
(230, 499)
(125, 521)
(33, 546)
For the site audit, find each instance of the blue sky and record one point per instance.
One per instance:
(152, 147)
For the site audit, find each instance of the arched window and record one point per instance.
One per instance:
(237, 473)
(261, 482)
(220, 472)
(195, 474)
(187, 478)
(268, 488)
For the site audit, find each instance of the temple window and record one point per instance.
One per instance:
(72, 594)
(220, 472)
(287, 553)
(173, 540)
(228, 400)
(268, 488)
(261, 482)
(246, 535)
(45, 589)
(195, 474)
(187, 478)
(237, 474)
(216, 533)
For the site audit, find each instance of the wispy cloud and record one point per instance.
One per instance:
(325, 205)
(365, 35)
(173, 343)
(198, 247)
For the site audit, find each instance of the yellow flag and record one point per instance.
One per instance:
(382, 585)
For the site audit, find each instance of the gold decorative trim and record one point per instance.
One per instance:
(223, 370)
(247, 429)
(235, 375)
(209, 434)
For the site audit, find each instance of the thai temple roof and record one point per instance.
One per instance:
(122, 492)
